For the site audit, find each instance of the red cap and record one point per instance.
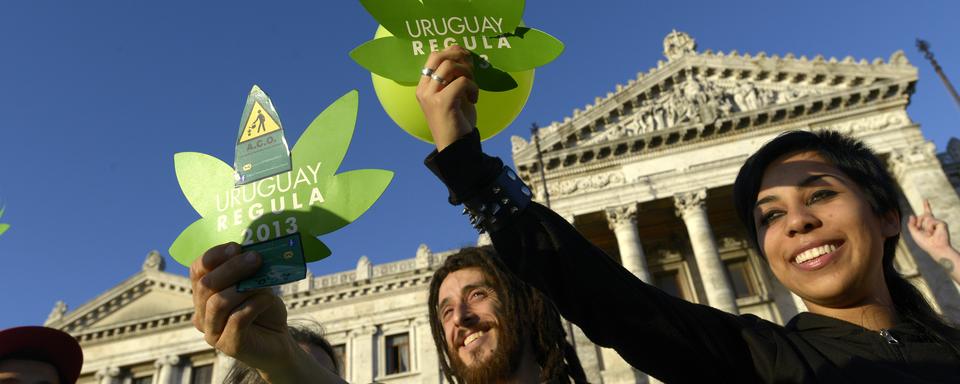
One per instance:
(43, 344)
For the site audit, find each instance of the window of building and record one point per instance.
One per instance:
(669, 282)
(673, 280)
(398, 353)
(742, 277)
(202, 374)
(143, 380)
(340, 355)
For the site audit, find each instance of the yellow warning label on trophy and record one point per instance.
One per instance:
(259, 123)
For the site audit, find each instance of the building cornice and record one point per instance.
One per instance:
(117, 297)
(599, 155)
(399, 276)
(772, 71)
(138, 327)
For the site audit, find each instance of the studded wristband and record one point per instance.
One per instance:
(497, 204)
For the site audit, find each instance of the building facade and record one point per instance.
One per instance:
(950, 159)
(645, 172)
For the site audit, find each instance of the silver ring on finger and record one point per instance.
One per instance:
(427, 71)
(438, 79)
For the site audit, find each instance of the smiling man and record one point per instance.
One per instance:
(489, 327)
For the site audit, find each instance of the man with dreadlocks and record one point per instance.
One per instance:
(489, 327)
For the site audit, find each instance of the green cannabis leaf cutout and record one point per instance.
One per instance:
(489, 28)
(310, 199)
(3, 227)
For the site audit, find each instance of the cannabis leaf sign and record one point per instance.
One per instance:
(3, 227)
(310, 198)
(488, 28)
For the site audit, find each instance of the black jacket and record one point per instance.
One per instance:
(675, 340)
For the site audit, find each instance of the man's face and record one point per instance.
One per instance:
(481, 345)
(16, 371)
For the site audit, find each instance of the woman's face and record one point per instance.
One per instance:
(818, 232)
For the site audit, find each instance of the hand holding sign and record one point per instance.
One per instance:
(505, 55)
(310, 199)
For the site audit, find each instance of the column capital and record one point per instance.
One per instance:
(365, 330)
(421, 321)
(916, 155)
(688, 202)
(168, 360)
(621, 215)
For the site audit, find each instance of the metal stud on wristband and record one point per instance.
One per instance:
(496, 205)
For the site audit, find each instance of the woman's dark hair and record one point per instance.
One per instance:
(304, 332)
(864, 168)
(536, 317)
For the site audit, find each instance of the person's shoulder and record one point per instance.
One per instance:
(763, 331)
(751, 321)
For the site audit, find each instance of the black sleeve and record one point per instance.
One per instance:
(667, 337)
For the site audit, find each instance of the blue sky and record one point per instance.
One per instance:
(98, 96)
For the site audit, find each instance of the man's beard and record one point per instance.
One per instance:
(501, 365)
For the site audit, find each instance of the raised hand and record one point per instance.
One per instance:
(447, 94)
(242, 325)
(932, 235)
(249, 326)
(928, 232)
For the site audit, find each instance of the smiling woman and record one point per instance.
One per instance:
(823, 211)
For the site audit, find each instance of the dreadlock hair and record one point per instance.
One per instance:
(863, 167)
(537, 318)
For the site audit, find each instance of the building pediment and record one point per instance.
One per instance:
(151, 293)
(705, 91)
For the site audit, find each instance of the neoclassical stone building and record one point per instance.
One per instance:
(951, 162)
(645, 172)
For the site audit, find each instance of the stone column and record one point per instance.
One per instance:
(616, 370)
(623, 223)
(108, 375)
(165, 369)
(920, 176)
(692, 208)
(586, 352)
(222, 366)
(425, 355)
(364, 359)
